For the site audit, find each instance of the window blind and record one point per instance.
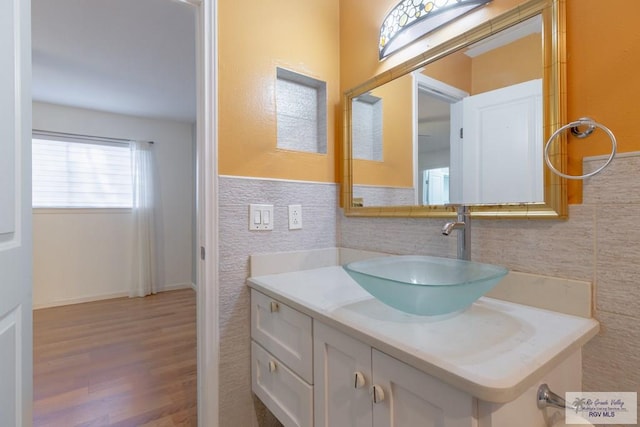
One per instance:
(80, 173)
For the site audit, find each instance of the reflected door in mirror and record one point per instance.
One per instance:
(495, 156)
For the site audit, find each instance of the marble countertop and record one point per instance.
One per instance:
(494, 350)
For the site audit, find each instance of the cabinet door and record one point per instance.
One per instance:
(342, 374)
(407, 397)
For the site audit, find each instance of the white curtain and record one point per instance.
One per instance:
(144, 281)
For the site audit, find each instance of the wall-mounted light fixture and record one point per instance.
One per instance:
(412, 19)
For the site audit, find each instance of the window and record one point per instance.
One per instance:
(77, 172)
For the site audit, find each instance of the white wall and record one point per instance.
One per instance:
(81, 256)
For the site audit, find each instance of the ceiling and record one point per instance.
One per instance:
(134, 57)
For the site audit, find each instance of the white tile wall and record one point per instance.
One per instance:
(611, 361)
(237, 406)
(384, 196)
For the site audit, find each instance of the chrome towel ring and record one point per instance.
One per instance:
(591, 126)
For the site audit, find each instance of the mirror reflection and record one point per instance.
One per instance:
(467, 128)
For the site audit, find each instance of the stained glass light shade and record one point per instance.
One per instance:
(412, 19)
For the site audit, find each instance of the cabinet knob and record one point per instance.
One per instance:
(377, 394)
(272, 366)
(274, 307)
(358, 380)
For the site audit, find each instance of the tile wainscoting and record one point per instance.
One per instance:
(599, 243)
(236, 244)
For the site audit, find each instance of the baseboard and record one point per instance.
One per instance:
(80, 300)
(101, 297)
(176, 286)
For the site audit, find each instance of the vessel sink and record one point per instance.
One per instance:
(425, 285)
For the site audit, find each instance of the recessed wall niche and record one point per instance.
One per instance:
(367, 127)
(301, 112)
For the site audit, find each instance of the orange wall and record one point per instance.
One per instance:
(334, 40)
(603, 60)
(454, 70)
(514, 63)
(395, 169)
(254, 39)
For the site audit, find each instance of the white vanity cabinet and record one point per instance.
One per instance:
(309, 374)
(356, 385)
(321, 346)
(282, 360)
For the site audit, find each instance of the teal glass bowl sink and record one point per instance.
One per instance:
(425, 285)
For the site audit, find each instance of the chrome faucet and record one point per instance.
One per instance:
(463, 225)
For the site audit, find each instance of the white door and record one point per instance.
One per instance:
(407, 397)
(435, 186)
(16, 360)
(501, 146)
(342, 376)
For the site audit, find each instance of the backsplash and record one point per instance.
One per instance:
(599, 243)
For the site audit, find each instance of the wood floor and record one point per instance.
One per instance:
(120, 362)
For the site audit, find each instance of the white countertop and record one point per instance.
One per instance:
(495, 350)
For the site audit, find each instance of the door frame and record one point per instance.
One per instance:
(207, 211)
(438, 89)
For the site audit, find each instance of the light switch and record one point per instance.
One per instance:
(260, 217)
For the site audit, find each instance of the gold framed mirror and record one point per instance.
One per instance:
(382, 179)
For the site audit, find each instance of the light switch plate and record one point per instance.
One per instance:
(260, 217)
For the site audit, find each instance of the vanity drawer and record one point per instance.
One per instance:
(286, 395)
(284, 332)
